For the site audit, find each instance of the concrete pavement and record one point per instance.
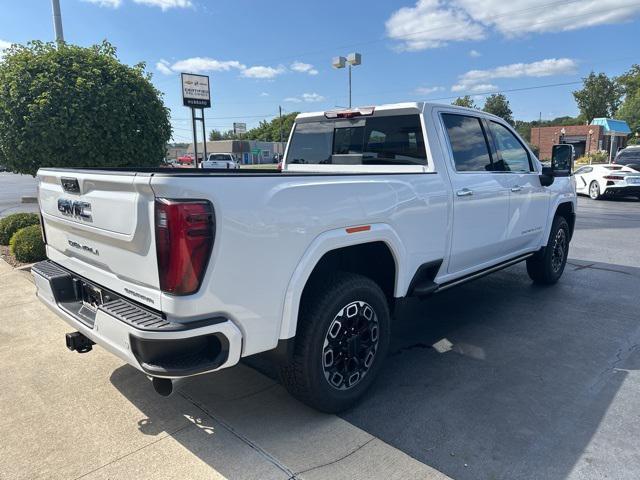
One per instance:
(72, 416)
(538, 383)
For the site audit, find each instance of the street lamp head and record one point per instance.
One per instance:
(338, 62)
(354, 59)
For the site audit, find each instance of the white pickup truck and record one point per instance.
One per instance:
(183, 272)
(220, 160)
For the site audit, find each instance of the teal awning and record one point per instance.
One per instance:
(612, 126)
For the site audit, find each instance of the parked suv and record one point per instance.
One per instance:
(373, 205)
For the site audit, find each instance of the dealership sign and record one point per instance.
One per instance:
(239, 128)
(195, 91)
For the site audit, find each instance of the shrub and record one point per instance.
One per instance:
(27, 245)
(11, 224)
(593, 158)
(63, 105)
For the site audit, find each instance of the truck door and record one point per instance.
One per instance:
(480, 195)
(528, 201)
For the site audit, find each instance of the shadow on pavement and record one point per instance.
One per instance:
(523, 390)
(521, 393)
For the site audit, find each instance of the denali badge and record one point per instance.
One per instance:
(74, 208)
(85, 248)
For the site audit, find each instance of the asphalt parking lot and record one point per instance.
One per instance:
(537, 383)
(12, 188)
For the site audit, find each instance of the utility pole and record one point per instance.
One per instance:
(280, 111)
(57, 21)
(539, 130)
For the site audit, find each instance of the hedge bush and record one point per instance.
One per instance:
(27, 245)
(11, 224)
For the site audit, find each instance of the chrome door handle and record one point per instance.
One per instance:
(465, 192)
(516, 188)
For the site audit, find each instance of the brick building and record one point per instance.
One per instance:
(603, 134)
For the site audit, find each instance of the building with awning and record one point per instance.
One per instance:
(615, 134)
(603, 134)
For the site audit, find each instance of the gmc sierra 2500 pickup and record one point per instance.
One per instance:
(183, 272)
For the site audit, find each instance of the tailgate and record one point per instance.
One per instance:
(100, 226)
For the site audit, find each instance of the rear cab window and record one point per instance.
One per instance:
(392, 140)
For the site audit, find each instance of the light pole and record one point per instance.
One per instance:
(352, 59)
(57, 21)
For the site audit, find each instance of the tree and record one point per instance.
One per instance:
(270, 131)
(599, 97)
(630, 81)
(465, 101)
(70, 106)
(498, 105)
(218, 135)
(630, 109)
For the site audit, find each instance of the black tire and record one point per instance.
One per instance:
(594, 191)
(547, 265)
(306, 375)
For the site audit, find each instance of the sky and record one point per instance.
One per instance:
(264, 54)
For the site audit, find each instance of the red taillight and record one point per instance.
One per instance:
(184, 239)
(613, 177)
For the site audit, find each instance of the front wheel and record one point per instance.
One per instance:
(546, 266)
(343, 336)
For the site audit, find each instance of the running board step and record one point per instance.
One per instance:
(424, 288)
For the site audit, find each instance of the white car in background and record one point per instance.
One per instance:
(220, 160)
(599, 180)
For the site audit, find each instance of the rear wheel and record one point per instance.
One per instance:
(546, 266)
(343, 336)
(594, 190)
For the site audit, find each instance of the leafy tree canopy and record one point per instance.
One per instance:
(270, 131)
(465, 101)
(70, 106)
(265, 131)
(630, 109)
(599, 97)
(218, 135)
(498, 105)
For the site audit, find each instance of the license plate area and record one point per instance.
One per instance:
(92, 296)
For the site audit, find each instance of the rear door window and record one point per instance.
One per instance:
(391, 140)
(468, 143)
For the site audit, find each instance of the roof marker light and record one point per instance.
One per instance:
(361, 228)
(356, 112)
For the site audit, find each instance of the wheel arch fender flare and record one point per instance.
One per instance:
(566, 205)
(325, 243)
